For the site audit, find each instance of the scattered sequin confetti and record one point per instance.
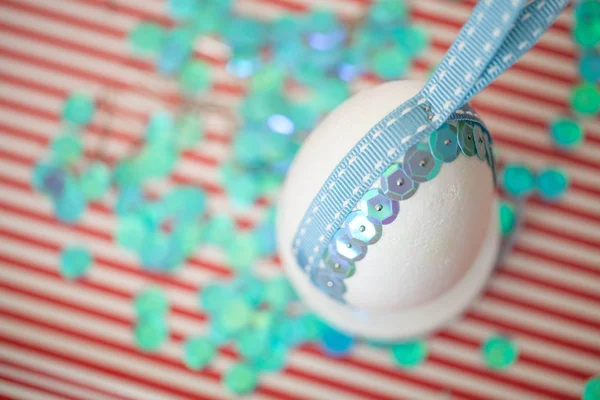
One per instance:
(500, 352)
(507, 218)
(591, 391)
(78, 109)
(151, 301)
(410, 354)
(567, 133)
(74, 262)
(241, 379)
(552, 183)
(198, 352)
(518, 180)
(151, 331)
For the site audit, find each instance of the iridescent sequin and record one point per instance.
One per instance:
(466, 139)
(410, 354)
(479, 142)
(329, 282)
(378, 207)
(500, 352)
(396, 184)
(347, 247)
(363, 229)
(419, 164)
(444, 143)
(340, 266)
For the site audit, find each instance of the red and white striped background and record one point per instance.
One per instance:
(63, 340)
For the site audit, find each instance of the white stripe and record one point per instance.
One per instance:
(48, 383)
(81, 374)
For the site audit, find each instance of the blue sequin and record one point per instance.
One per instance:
(363, 229)
(329, 282)
(444, 143)
(336, 343)
(419, 164)
(396, 184)
(378, 207)
(347, 247)
(339, 265)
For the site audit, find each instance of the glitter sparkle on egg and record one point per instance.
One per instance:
(425, 263)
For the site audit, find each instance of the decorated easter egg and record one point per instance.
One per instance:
(422, 242)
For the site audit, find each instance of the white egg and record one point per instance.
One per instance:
(429, 264)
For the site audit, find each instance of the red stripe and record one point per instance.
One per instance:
(38, 387)
(53, 376)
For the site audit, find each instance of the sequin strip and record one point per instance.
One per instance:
(381, 204)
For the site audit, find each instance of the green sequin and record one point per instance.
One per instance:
(312, 327)
(268, 79)
(552, 183)
(410, 354)
(182, 9)
(79, 109)
(151, 301)
(567, 133)
(220, 229)
(95, 181)
(241, 379)
(147, 38)
(151, 331)
(243, 252)
(198, 352)
(74, 262)
(591, 391)
(235, 315)
(507, 218)
(252, 343)
(195, 77)
(279, 293)
(273, 359)
(390, 63)
(585, 99)
(413, 40)
(185, 203)
(190, 236)
(500, 352)
(131, 231)
(518, 180)
(587, 34)
(67, 148)
(329, 94)
(189, 131)
(386, 12)
(214, 296)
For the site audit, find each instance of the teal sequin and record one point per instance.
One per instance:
(198, 352)
(273, 359)
(235, 315)
(67, 148)
(585, 99)
(329, 94)
(131, 231)
(242, 252)
(279, 293)
(74, 262)
(160, 129)
(567, 133)
(244, 33)
(214, 296)
(390, 63)
(95, 181)
(268, 79)
(150, 332)
(552, 183)
(589, 66)
(241, 379)
(195, 77)
(500, 352)
(251, 344)
(507, 218)
(78, 109)
(518, 180)
(189, 131)
(71, 204)
(410, 354)
(147, 38)
(387, 12)
(220, 229)
(591, 391)
(151, 301)
(185, 203)
(183, 9)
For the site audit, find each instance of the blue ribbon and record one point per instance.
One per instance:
(496, 35)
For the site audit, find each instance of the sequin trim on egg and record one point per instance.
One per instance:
(381, 204)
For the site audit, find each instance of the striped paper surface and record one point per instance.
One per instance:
(63, 340)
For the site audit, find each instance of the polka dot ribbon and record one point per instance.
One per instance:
(496, 35)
